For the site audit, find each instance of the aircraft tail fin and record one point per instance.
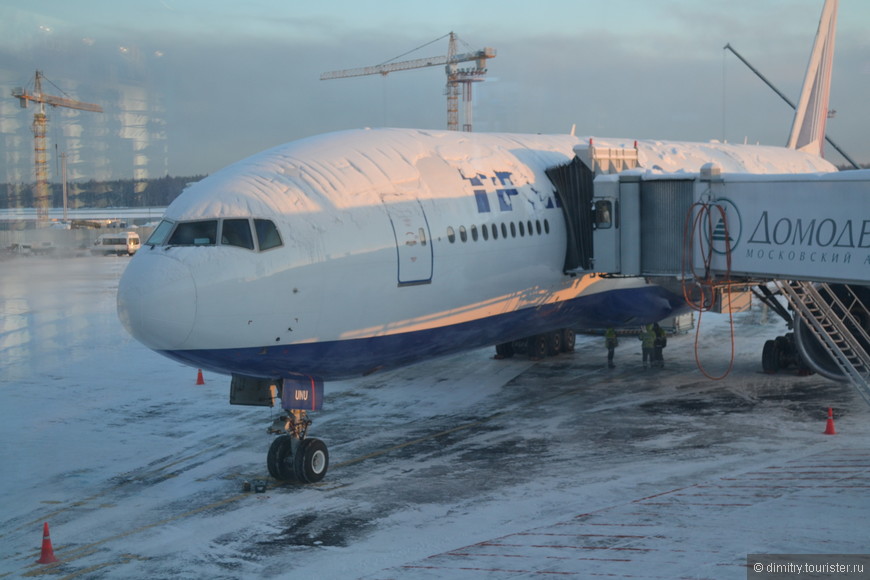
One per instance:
(811, 115)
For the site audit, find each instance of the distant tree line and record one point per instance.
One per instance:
(156, 192)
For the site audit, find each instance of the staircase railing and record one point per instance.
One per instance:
(835, 321)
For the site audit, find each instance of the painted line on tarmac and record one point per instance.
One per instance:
(70, 555)
(151, 473)
(88, 549)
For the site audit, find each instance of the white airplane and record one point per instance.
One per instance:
(354, 252)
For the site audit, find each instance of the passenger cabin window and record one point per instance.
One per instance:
(603, 214)
(237, 232)
(202, 233)
(267, 235)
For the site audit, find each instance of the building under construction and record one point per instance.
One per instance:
(42, 199)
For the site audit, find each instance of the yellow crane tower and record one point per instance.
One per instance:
(40, 123)
(459, 81)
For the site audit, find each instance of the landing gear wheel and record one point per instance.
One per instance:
(785, 353)
(554, 343)
(279, 458)
(569, 338)
(311, 460)
(537, 346)
(770, 357)
(504, 350)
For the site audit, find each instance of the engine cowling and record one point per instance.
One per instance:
(856, 300)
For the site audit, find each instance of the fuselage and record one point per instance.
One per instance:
(351, 252)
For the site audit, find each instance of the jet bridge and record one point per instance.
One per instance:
(813, 227)
(575, 188)
(808, 232)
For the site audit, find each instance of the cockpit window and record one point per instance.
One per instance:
(233, 232)
(267, 234)
(160, 233)
(237, 232)
(202, 233)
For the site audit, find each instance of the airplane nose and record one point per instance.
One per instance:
(157, 300)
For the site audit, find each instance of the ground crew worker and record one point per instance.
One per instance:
(610, 341)
(647, 337)
(660, 342)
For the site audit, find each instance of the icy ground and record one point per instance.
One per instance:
(461, 467)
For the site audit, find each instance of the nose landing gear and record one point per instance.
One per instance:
(293, 456)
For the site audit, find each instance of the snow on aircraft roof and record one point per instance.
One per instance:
(353, 168)
(688, 157)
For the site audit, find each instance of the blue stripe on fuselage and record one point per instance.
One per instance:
(342, 359)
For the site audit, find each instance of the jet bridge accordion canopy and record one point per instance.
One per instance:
(574, 187)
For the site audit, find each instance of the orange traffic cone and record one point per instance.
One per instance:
(829, 428)
(47, 556)
(199, 379)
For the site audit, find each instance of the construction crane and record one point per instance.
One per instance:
(459, 80)
(42, 200)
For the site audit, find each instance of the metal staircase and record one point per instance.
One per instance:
(836, 322)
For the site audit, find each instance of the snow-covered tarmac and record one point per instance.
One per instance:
(460, 467)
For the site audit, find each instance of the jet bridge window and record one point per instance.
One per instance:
(603, 214)
(237, 232)
(202, 233)
(267, 235)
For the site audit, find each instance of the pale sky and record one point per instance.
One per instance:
(189, 86)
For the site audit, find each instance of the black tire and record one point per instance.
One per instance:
(504, 350)
(311, 461)
(770, 358)
(279, 459)
(554, 343)
(784, 352)
(537, 346)
(569, 339)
